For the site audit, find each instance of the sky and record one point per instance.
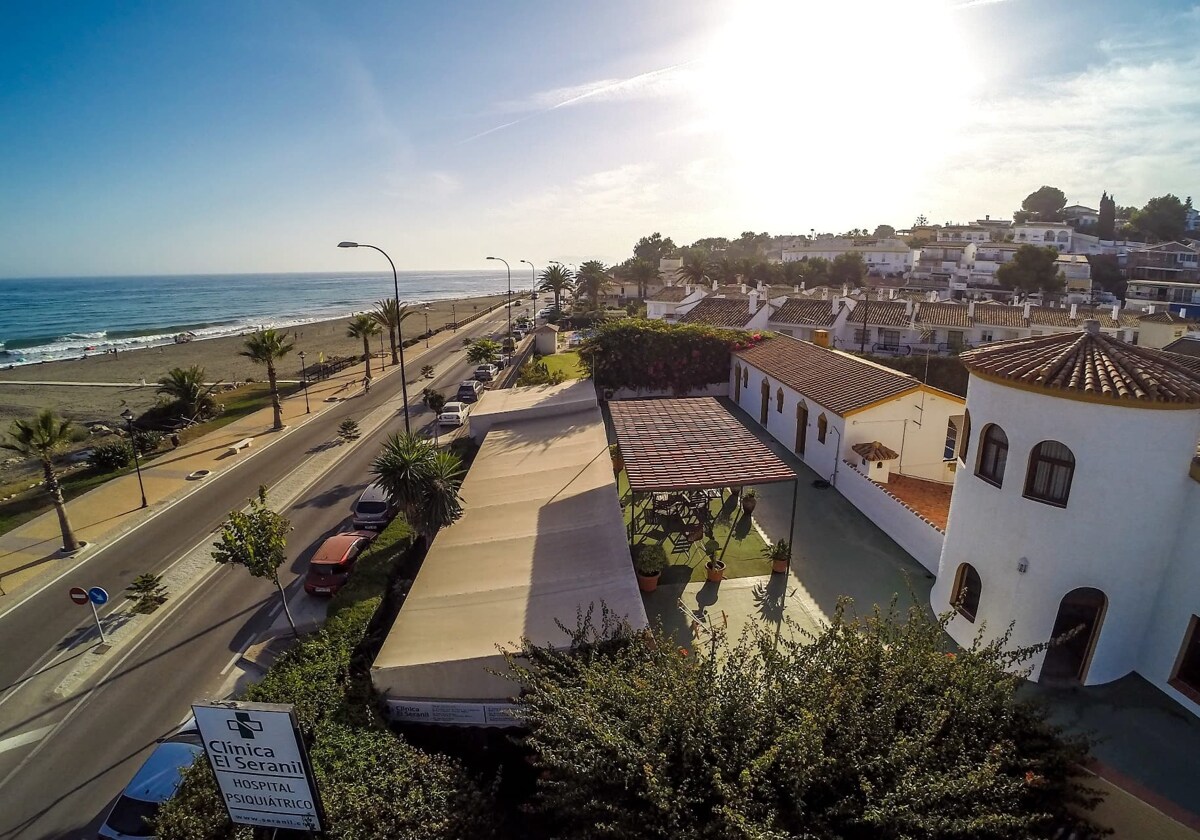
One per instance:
(172, 138)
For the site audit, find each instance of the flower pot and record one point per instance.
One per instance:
(648, 583)
(748, 504)
(716, 570)
(779, 566)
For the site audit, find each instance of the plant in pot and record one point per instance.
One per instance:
(779, 554)
(749, 501)
(614, 452)
(715, 567)
(649, 560)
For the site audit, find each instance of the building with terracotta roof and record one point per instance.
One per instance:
(1160, 328)
(1074, 508)
(735, 313)
(799, 317)
(670, 302)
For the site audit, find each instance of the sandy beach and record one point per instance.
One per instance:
(219, 358)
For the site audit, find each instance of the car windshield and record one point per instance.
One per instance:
(372, 507)
(326, 569)
(131, 816)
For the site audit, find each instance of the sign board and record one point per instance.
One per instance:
(79, 595)
(262, 769)
(453, 714)
(97, 596)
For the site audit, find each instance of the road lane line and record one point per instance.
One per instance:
(233, 661)
(25, 738)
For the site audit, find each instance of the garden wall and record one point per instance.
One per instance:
(914, 534)
(717, 389)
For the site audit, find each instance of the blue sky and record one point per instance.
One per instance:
(171, 137)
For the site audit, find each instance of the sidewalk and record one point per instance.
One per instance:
(30, 552)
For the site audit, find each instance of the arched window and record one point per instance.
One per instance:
(745, 377)
(1051, 468)
(779, 401)
(993, 454)
(822, 427)
(1062, 236)
(964, 597)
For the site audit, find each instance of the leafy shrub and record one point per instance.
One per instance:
(146, 592)
(111, 456)
(536, 373)
(348, 429)
(649, 558)
(147, 441)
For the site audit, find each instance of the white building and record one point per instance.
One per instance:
(882, 256)
(964, 233)
(801, 317)
(1050, 234)
(1075, 506)
(1078, 215)
(1077, 272)
(669, 302)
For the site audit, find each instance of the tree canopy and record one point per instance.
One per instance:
(1163, 219)
(1032, 269)
(653, 248)
(1106, 227)
(256, 539)
(1045, 204)
(884, 232)
(847, 268)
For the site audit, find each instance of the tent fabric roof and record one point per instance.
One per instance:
(541, 535)
(690, 444)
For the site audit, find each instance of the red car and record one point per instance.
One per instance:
(330, 567)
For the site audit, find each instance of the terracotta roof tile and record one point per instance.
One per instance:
(875, 451)
(818, 313)
(718, 312)
(999, 315)
(669, 294)
(1165, 318)
(1188, 345)
(885, 313)
(943, 315)
(1089, 363)
(839, 381)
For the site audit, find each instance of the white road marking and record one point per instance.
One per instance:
(25, 738)
(232, 662)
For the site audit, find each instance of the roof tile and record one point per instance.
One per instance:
(818, 313)
(943, 315)
(718, 312)
(885, 313)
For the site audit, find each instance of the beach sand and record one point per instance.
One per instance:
(219, 358)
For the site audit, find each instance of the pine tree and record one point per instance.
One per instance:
(1106, 229)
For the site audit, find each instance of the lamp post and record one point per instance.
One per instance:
(532, 274)
(382, 359)
(399, 328)
(425, 312)
(127, 416)
(304, 376)
(508, 305)
(453, 317)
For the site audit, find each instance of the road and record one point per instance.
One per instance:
(60, 783)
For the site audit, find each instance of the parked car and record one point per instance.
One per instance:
(454, 414)
(374, 508)
(469, 390)
(330, 567)
(153, 784)
(518, 334)
(486, 373)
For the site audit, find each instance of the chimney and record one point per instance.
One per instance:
(1150, 310)
(687, 288)
(753, 297)
(833, 305)
(987, 217)
(908, 308)
(743, 288)
(759, 285)
(1025, 311)
(971, 309)
(1091, 326)
(796, 289)
(891, 294)
(1116, 310)
(714, 285)
(1074, 311)
(824, 294)
(820, 338)
(845, 290)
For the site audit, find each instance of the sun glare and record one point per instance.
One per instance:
(817, 103)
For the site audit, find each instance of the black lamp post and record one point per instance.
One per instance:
(127, 416)
(304, 376)
(425, 312)
(508, 305)
(399, 328)
(454, 316)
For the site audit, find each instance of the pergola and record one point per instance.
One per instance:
(672, 445)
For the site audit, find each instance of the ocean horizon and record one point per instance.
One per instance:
(45, 319)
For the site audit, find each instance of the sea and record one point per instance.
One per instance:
(45, 319)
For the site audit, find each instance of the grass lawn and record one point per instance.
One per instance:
(238, 403)
(568, 363)
(35, 502)
(741, 546)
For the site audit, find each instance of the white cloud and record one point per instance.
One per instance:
(662, 82)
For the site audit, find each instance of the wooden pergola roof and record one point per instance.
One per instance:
(690, 444)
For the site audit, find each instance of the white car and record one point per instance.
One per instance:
(453, 414)
(486, 373)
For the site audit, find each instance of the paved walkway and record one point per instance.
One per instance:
(28, 551)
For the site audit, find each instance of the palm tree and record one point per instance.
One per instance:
(422, 481)
(385, 315)
(694, 270)
(186, 387)
(266, 347)
(556, 279)
(366, 328)
(42, 438)
(590, 281)
(725, 270)
(642, 272)
(483, 351)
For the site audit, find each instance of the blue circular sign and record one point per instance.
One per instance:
(97, 595)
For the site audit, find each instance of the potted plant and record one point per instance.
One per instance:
(780, 554)
(649, 560)
(618, 462)
(715, 567)
(749, 501)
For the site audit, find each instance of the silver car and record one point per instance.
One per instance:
(153, 785)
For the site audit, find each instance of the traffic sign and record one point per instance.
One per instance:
(79, 595)
(97, 596)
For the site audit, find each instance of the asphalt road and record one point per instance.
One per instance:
(61, 784)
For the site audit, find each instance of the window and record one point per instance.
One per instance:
(1051, 467)
(889, 337)
(985, 336)
(779, 401)
(746, 377)
(965, 595)
(822, 428)
(862, 336)
(993, 454)
(951, 441)
(1186, 676)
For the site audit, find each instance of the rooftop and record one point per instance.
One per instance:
(928, 499)
(670, 294)
(719, 312)
(1167, 317)
(875, 451)
(1188, 345)
(819, 313)
(885, 313)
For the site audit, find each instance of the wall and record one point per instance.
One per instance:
(1116, 534)
(717, 389)
(914, 425)
(917, 536)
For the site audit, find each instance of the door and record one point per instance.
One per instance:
(766, 403)
(737, 384)
(801, 426)
(1069, 661)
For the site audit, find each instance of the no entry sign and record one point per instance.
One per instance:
(79, 595)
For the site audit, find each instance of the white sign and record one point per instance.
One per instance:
(258, 757)
(453, 714)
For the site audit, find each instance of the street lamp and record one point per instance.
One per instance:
(127, 415)
(399, 328)
(532, 273)
(508, 305)
(304, 376)
(454, 316)
(425, 312)
(382, 358)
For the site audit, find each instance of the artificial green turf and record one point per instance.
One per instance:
(568, 363)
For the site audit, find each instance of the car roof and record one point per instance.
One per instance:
(454, 406)
(473, 383)
(158, 778)
(374, 493)
(335, 548)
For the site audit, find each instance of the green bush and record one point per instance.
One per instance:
(108, 457)
(536, 373)
(649, 558)
(147, 442)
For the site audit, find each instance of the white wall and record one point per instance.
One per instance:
(913, 425)
(717, 389)
(1116, 534)
(917, 536)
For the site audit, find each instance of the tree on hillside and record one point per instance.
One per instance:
(724, 270)
(884, 232)
(868, 728)
(750, 244)
(1106, 273)
(422, 481)
(1045, 204)
(556, 279)
(694, 270)
(185, 386)
(257, 540)
(267, 347)
(42, 438)
(1106, 228)
(590, 280)
(653, 248)
(816, 271)
(1163, 219)
(791, 273)
(848, 269)
(1032, 269)
(710, 244)
(920, 221)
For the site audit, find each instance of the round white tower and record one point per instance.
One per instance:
(1068, 497)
